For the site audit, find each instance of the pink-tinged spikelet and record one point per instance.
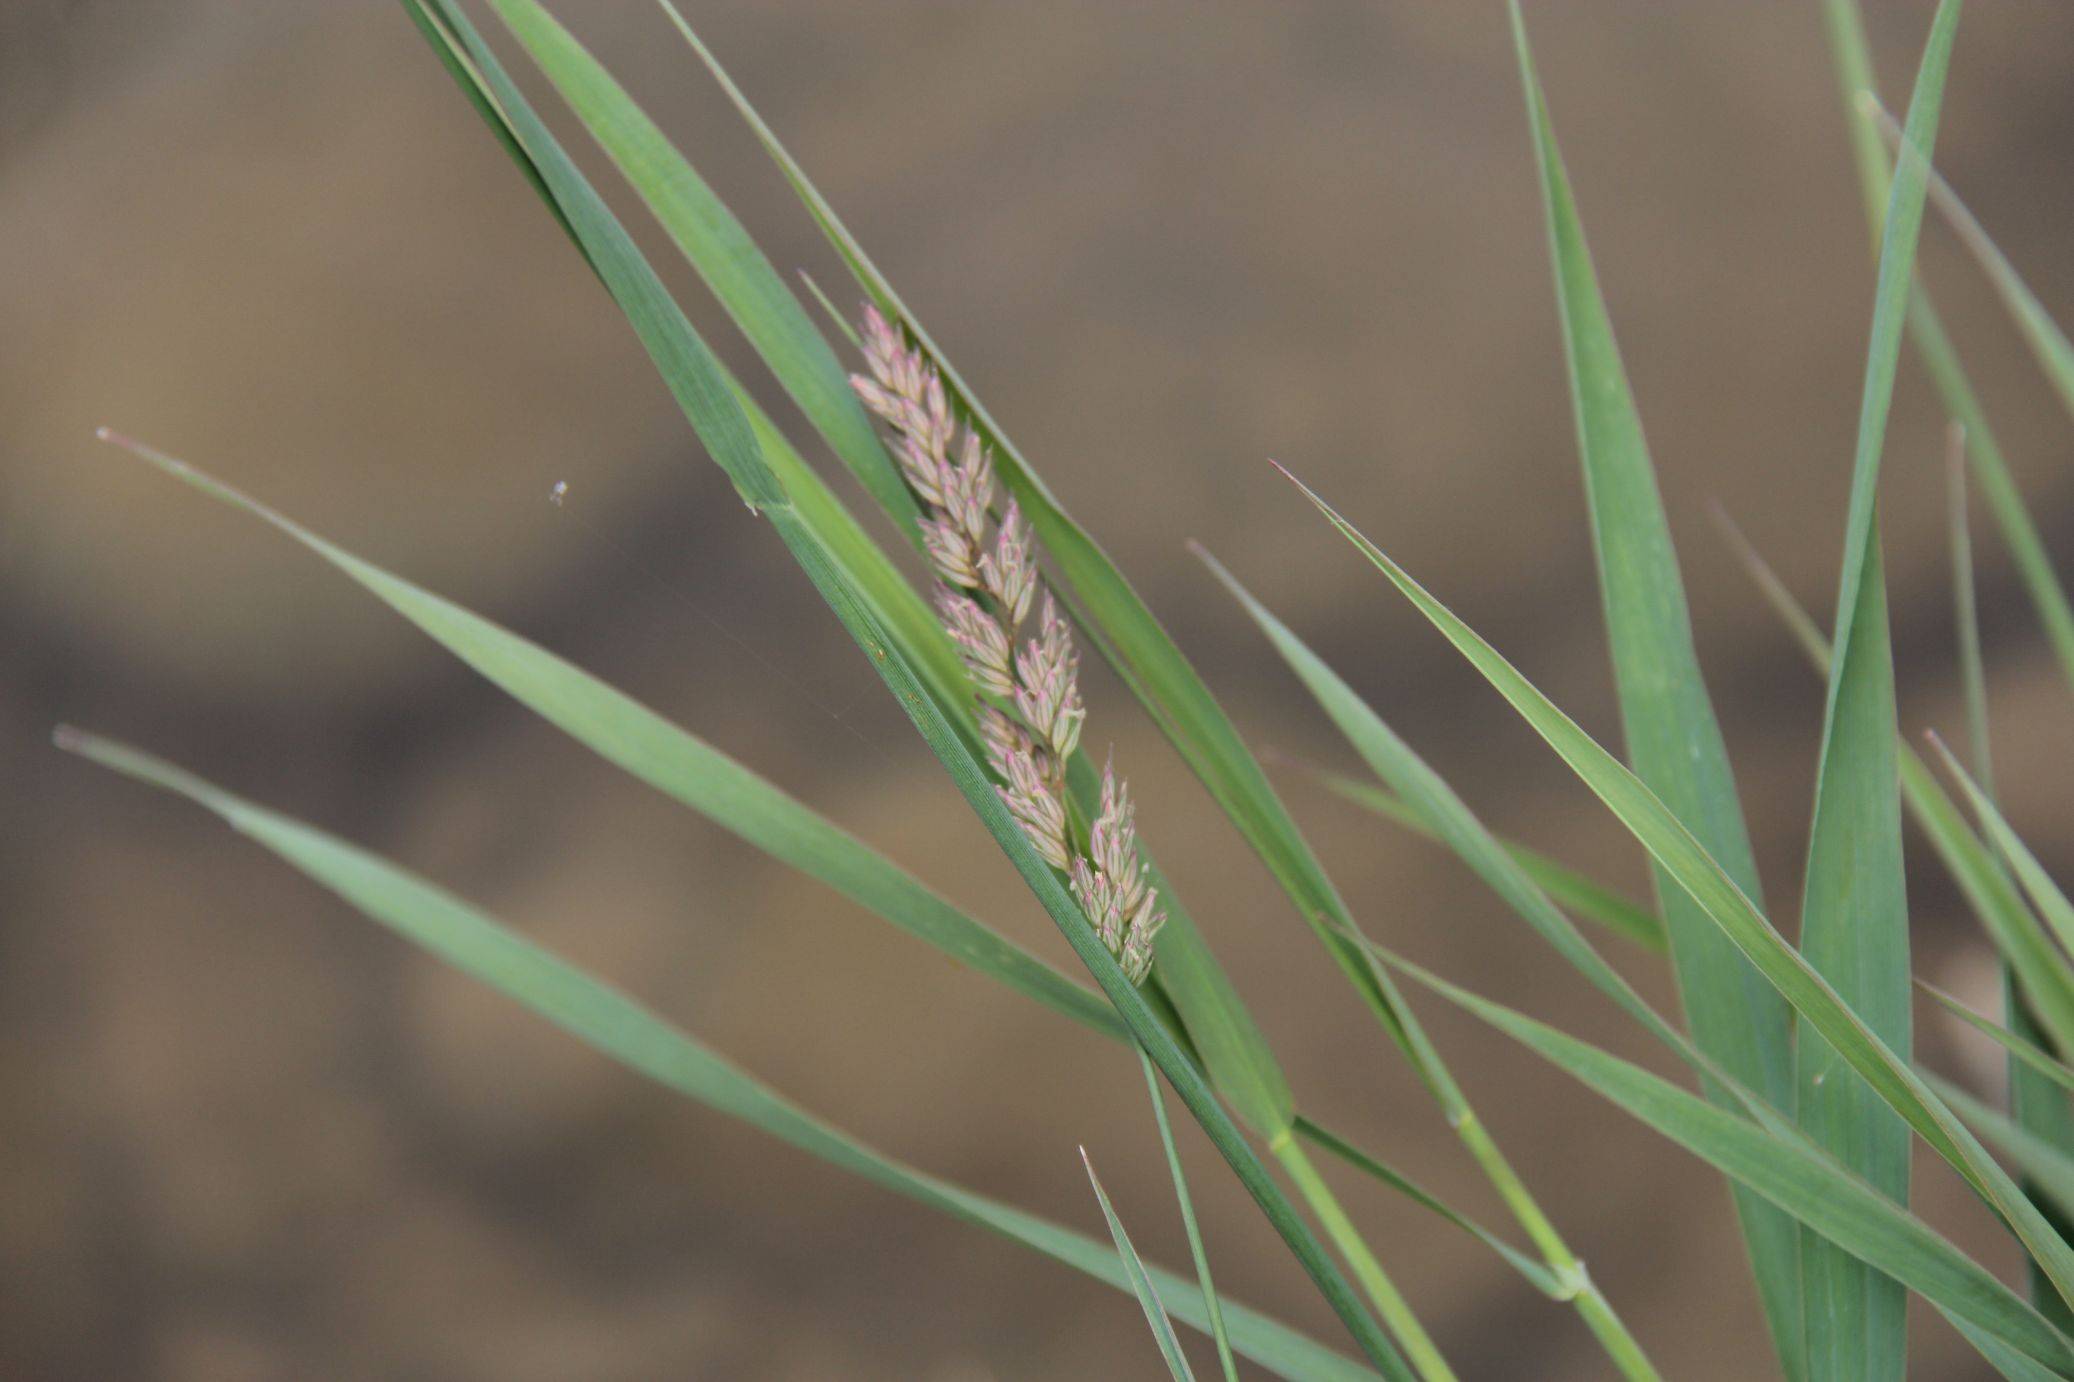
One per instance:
(1030, 711)
(981, 641)
(1047, 692)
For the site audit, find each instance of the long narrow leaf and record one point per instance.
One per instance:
(732, 265)
(1809, 1186)
(682, 766)
(1673, 739)
(1141, 1283)
(1581, 896)
(1854, 912)
(2024, 1052)
(2047, 978)
(690, 371)
(1118, 622)
(1853, 63)
(1537, 1276)
(1429, 795)
(1854, 932)
(2048, 343)
(1223, 1032)
(1195, 1235)
(687, 769)
(607, 1019)
(2038, 1104)
(2038, 885)
(1666, 838)
(2045, 1165)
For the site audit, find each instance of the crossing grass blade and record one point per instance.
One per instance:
(2048, 343)
(2043, 1164)
(1141, 1283)
(1120, 626)
(603, 1017)
(683, 767)
(696, 382)
(1854, 910)
(1219, 1027)
(1537, 1276)
(2047, 980)
(1673, 740)
(1940, 358)
(1581, 896)
(1430, 797)
(2038, 1104)
(1131, 639)
(1222, 1031)
(1973, 677)
(1117, 622)
(713, 241)
(1803, 1182)
(2024, 1052)
(1667, 840)
(687, 769)
(2038, 885)
(1196, 1251)
(1854, 931)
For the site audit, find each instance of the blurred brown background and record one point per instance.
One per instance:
(247, 1135)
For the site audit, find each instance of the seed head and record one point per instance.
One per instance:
(952, 478)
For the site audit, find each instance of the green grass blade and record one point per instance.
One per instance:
(1428, 795)
(695, 380)
(2021, 1050)
(1973, 677)
(1118, 623)
(1854, 932)
(1800, 1180)
(1124, 630)
(1667, 840)
(1417, 784)
(2045, 895)
(2047, 980)
(1673, 739)
(684, 767)
(1581, 896)
(613, 1023)
(2039, 1139)
(1389, 1302)
(1380, 1171)
(1148, 1297)
(2048, 343)
(2037, 1102)
(1223, 1032)
(1195, 1235)
(731, 264)
(679, 765)
(454, 58)
(2045, 1165)
(1854, 909)
(1853, 62)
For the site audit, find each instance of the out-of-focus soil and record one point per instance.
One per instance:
(246, 1135)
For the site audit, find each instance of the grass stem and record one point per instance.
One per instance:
(1397, 1315)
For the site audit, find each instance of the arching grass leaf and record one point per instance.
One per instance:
(605, 1018)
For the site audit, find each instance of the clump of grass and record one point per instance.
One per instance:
(1809, 1099)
